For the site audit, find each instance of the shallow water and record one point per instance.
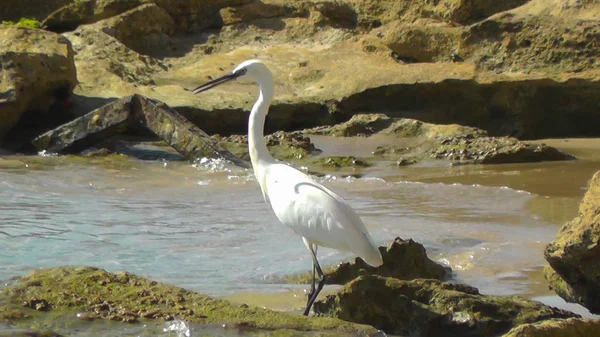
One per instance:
(205, 227)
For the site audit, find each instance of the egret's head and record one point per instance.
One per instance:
(253, 69)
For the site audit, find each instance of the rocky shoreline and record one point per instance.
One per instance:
(461, 81)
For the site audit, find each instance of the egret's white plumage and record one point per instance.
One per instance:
(317, 214)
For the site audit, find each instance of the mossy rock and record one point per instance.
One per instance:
(428, 308)
(570, 327)
(28, 333)
(11, 313)
(130, 298)
(340, 162)
(282, 145)
(402, 259)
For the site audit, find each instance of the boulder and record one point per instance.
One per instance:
(428, 308)
(402, 259)
(134, 112)
(143, 27)
(570, 327)
(37, 70)
(575, 253)
(99, 294)
(422, 41)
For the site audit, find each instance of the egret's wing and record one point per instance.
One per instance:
(317, 213)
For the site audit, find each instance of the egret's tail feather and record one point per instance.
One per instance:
(373, 258)
(369, 251)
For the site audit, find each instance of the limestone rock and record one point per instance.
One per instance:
(81, 12)
(402, 259)
(37, 69)
(333, 59)
(422, 41)
(570, 327)
(430, 308)
(106, 65)
(575, 253)
(517, 41)
(143, 27)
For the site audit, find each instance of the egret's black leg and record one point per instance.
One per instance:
(315, 293)
(312, 284)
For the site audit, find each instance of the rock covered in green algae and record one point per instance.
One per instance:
(282, 145)
(574, 254)
(10, 313)
(28, 333)
(126, 297)
(402, 259)
(427, 308)
(570, 327)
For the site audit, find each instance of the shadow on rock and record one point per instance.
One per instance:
(430, 308)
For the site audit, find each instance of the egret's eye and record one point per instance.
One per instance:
(242, 72)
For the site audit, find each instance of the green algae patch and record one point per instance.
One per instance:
(402, 259)
(282, 146)
(23, 22)
(426, 307)
(11, 313)
(126, 297)
(340, 162)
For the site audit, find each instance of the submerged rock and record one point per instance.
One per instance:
(428, 308)
(402, 259)
(495, 150)
(282, 145)
(129, 298)
(457, 143)
(575, 253)
(570, 327)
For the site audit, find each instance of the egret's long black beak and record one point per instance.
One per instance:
(215, 82)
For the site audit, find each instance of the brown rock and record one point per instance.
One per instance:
(575, 253)
(85, 12)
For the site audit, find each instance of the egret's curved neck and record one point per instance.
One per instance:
(259, 155)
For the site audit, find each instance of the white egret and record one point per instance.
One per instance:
(318, 215)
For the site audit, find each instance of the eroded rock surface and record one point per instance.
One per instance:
(431, 308)
(574, 255)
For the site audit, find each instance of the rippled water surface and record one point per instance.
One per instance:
(206, 227)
